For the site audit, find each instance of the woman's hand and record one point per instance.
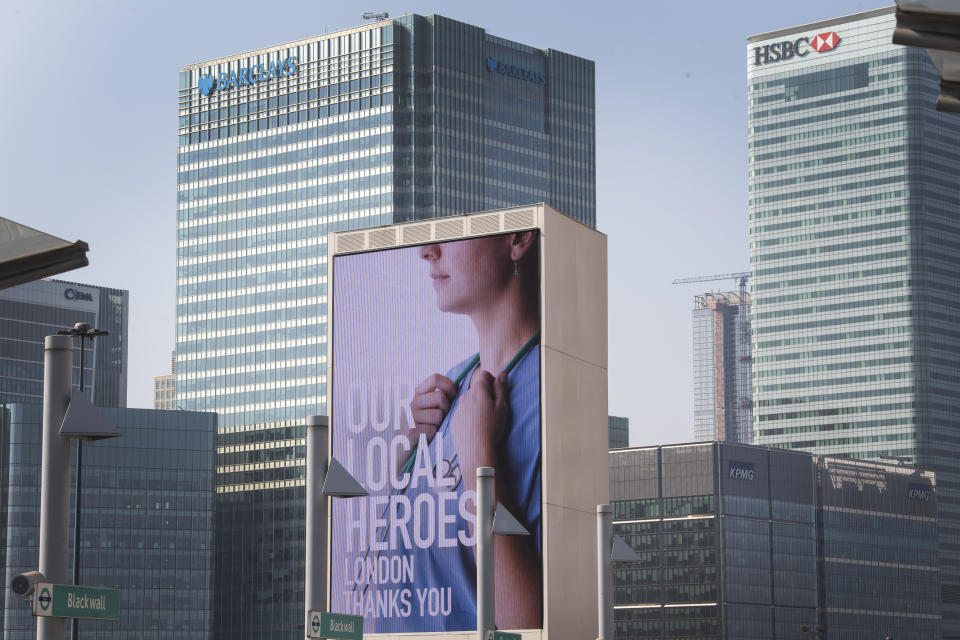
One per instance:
(430, 404)
(479, 424)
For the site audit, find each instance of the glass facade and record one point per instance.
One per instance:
(722, 391)
(32, 311)
(147, 525)
(619, 432)
(406, 119)
(854, 240)
(740, 542)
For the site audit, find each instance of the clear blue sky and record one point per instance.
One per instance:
(88, 126)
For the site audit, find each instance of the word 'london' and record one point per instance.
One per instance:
(247, 75)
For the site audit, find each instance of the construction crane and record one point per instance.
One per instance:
(742, 277)
(376, 16)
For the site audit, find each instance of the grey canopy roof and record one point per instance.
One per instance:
(27, 254)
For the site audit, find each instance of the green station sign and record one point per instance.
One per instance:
(502, 635)
(71, 601)
(337, 626)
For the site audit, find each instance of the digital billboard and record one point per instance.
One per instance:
(435, 371)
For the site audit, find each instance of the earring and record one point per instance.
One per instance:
(516, 269)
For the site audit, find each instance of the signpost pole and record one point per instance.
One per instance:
(55, 473)
(604, 572)
(486, 613)
(316, 576)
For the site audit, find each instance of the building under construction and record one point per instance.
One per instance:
(722, 394)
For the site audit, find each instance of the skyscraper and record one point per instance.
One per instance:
(414, 118)
(30, 311)
(854, 240)
(147, 521)
(722, 405)
(740, 543)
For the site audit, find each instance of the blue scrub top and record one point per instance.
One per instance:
(455, 567)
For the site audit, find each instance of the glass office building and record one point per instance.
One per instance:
(739, 542)
(619, 432)
(32, 311)
(854, 239)
(399, 120)
(722, 385)
(147, 521)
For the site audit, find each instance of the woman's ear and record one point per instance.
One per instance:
(520, 244)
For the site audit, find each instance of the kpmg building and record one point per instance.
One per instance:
(739, 542)
(854, 240)
(414, 118)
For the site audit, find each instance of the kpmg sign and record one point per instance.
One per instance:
(505, 68)
(919, 492)
(247, 76)
(769, 53)
(740, 470)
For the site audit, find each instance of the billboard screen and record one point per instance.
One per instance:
(436, 371)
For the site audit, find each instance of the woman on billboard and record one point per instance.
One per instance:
(487, 410)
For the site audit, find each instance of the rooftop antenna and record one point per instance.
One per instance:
(376, 16)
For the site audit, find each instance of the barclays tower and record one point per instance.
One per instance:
(414, 118)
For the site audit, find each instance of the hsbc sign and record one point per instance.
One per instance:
(769, 53)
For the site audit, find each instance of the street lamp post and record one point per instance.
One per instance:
(83, 331)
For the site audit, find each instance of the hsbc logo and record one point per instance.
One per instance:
(824, 42)
(821, 43)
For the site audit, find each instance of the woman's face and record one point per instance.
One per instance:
(467, 272)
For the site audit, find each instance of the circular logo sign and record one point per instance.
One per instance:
(44, 598)
(315, 623)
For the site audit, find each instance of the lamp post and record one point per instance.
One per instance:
(83, 331)
(326, 478)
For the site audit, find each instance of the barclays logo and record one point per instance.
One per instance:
(246, 76)
(73, 294)
(497, 66)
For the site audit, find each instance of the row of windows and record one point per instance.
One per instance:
(304, 115)
(832, 382)
(835, 188)
(818, 104)
(831, 146)
(832, 115)
(861, 303)
(259, 144)
(816, 294)
(840, 365)
(831, 411)
(822, 161)
(837, 262)
(829, 131)
(227, 322)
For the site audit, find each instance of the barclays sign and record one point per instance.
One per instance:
(247, 76)
(505, 68)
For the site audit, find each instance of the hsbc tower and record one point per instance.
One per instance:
(854, 245)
